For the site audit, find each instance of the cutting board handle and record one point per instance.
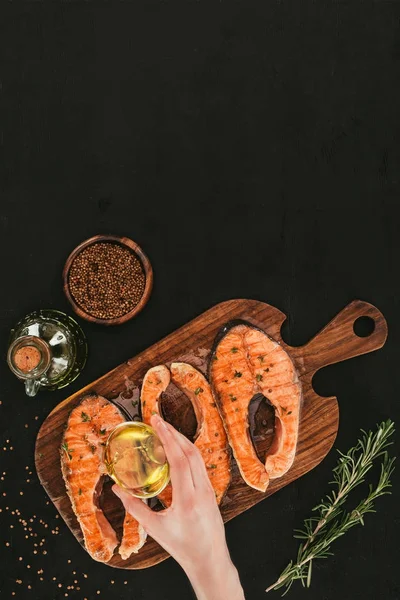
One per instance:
(338, 340)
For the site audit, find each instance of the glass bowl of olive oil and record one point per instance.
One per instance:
(135, 459)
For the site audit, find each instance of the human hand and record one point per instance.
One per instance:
(191, 529)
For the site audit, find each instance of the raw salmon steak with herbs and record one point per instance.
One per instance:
(133, 538)
(155, 382)
(83, 469)
(246, 362)
(210, 437)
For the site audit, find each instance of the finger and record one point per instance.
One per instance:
(135, 507)
(201, 480)
(197, 465)
(200, 477)
(196, 462)
(181, 476)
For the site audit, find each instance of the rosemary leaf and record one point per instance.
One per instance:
(332, 520)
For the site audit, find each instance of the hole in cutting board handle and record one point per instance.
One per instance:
(364, 326)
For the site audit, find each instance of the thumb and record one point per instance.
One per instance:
(135, 507)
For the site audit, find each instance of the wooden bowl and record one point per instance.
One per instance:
(135, 249)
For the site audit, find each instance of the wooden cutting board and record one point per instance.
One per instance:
(192, 343)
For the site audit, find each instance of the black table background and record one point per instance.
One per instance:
(252, 149)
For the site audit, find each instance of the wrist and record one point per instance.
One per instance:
(215, 577)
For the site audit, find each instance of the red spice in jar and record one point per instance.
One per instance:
(27, 358)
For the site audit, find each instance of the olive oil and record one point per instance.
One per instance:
(47, 350)
(135, 459)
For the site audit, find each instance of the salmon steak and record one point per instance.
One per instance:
(133, 538)
(210, 437)
(83, 469)
(155, 382)
(246, 362)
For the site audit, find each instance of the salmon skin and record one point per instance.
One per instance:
(246, 361)
(210, 436)
(88, 428)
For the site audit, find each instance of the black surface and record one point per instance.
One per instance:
(252, 149)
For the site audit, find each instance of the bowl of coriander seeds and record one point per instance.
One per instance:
(108, 279)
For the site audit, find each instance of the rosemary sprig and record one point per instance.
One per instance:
(332, 520)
